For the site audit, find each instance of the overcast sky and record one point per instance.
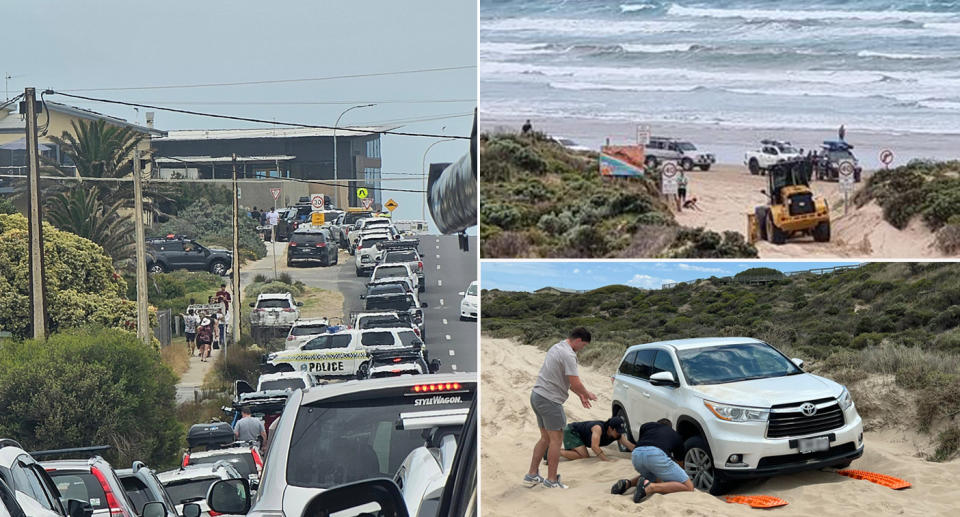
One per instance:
(122, 43)
(581, 275)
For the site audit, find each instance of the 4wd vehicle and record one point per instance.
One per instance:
(371, 225)
(404, 251)
(142, 486)
(244, 457)
(662, 149)
(33, 489)
(390, 270)
(744, 409)
(469, 308)
(834, 154)
(273, 312)
(771, 152)
(285, 381)
(309, 244)
(348, 353)
(91, 479)
(344, 224)
(287, 223)
(385, 320)
(180, 252)
(407, 303)
(191, 484)
(367, 253)
(424, 472)
(304, 330)
(357, 430)
(391, 286)
(791, 208)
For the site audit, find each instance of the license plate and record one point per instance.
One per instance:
(808, 445)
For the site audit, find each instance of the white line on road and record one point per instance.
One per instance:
(444, 321)
(438, 267)
(439, 283)
(448, 337)
(438, 256)
(438, 240)
(438, 247)
(451, 352)
(441, 301)
(453, 367)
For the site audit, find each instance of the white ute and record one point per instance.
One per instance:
(771, 152)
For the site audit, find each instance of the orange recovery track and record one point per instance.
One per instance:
(756, 501)
(873, 477)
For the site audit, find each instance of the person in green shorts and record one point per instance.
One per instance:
(593, 435)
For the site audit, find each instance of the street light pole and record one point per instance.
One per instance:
(336, 188)
(423, 209)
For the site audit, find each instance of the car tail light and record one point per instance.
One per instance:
(186, 460)
(112, 502)
(256, 458)
(213, 513)
(359, 246)
(290, 338)
(258, 310)
(417, 332)
(292, 245)
(397, 359)
(288, 310)
(420, 265)
(439, 386)
(321, 245)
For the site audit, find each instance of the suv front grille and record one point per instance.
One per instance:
(794, 423)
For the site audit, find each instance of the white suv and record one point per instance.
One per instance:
(743, 408)
(277, 311)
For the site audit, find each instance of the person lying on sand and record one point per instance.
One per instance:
(659, 474)
(597, 434)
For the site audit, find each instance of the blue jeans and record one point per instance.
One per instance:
(654, 464)
(223, 334)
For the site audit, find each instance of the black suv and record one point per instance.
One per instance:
(179, 252)
(309, 244)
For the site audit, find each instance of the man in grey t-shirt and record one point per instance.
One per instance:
(558, 375)
(248, 428)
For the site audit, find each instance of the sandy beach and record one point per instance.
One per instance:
(509, 431)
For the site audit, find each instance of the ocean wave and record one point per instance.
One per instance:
(893, 55)
(940, 105)
(641, 48)
(586, 27)
(587, 86)
(819, 14)
(630, 8)
(516, 48)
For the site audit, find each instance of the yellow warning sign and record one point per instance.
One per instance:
(316, 218)
(391, 205)
(362, 193)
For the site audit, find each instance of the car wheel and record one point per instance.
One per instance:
(157, 267)
(218, 267)
(821, 233)
(285, 368)
(698, 464)
(754, 167)
(363, 370)
(687, 164)
(626, 424)
(289, 262)
(705, 167)
(359, 273)
(336, 258)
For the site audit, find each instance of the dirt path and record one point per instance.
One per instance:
(727, 193)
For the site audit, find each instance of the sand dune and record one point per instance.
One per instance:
(509, 432)
(726, 193)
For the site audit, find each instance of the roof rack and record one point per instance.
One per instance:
(82, 451)
(8, 442)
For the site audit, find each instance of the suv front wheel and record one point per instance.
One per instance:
(698, 464)
(218, 267)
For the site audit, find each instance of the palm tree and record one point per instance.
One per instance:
(98, 150)
(79, 211)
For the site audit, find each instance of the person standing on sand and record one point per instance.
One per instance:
(656, 443)
(577, 436)
(681, 190)
(527, 127)
(842, 133)
(557, 377)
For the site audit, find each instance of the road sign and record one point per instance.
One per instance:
(643, 134)
(316, 218)
(316, 202)
(668, 179)
(276, 193)
(362, 193)
(367, 203)
(391, 205)
(846, 175)
(886, 157)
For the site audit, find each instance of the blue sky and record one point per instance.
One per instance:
(586, 275)
(119, 43)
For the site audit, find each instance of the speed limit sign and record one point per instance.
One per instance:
(668, 178)
(846, 175)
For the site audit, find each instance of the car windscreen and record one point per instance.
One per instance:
(733, 363)
(401, 256)
(282, 384)
(273, 303)
(80, 485)
(386, 289)
(472, 290)
(308, 330)
(367, 242)
(838, 156)
(243, 461)
(390, 272)
(339, 442)
(392, 303)
(307, 238)
(380, 322)
(189, 490)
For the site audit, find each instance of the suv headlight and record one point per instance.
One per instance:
(737, 413)
(845, 400)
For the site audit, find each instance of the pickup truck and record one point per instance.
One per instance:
(343, 225)
(349, 353)
(771, 152)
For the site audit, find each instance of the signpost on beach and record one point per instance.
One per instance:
(886, 157)
(668, 179)
(846, 180)
(643, 134)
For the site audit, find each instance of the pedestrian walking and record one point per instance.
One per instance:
(222, 324)
(557, 377)
(223, 296)
(255, 214)
(190, 321)
(204, 338)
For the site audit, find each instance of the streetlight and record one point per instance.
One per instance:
(336, 188)
(423, 209)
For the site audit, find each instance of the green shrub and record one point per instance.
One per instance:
(212, 225)
(7, 207)
(948, 444)
(88, 387)
(253, 290)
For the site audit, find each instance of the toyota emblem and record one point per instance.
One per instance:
(808, 409)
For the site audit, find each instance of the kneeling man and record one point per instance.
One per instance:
(659, 473)
(577, 436)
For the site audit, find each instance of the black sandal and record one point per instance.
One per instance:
(620, 487)
(641, 490)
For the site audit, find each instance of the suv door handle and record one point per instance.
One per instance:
(645, 394)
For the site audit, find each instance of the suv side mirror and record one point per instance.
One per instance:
(424, 305)
(191, 510)
(460, 293)
(299, 304)
(434, 366)
(229, 496)
(663, 379)
(252, 304)
(154, 509)
(362, 497)
(78, 508)
(798, 362)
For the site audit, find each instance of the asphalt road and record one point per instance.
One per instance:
(448, 271)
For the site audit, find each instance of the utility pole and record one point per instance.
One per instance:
(236, 259)
(143, 316)
(38, 288)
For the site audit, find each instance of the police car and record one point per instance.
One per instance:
(349, 353)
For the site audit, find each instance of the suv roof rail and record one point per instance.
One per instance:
(9, 442)
(137, 465)
(82, 451)
(399, 244)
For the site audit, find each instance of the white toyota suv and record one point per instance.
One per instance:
(744, 409)
(366, 252)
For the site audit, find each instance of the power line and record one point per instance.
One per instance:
(308, 103)
(256, 120)
(11, 101)
(275, 81)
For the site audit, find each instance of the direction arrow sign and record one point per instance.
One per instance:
(391, 205)
(362, 193)
(276, 193)
(316, 202)
(886, 157)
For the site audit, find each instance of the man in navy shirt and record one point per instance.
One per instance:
(658, 458)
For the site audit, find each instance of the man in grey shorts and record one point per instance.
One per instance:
(558, 375)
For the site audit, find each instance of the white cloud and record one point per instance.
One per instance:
(576, 271)
(701, 269)
(647, 281)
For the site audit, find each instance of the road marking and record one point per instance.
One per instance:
(439, 283)
(448, 337)
(453, 367)
(438, 267)
(441, 301)
(451, 352)
(438, 247)
(444, 321)
(438, 240)
(438, 256)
